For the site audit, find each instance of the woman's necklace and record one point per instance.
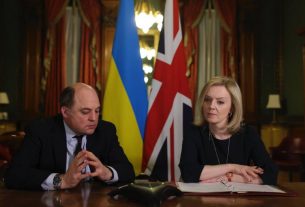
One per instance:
(211, 137)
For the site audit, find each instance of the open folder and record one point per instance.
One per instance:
(222, 188)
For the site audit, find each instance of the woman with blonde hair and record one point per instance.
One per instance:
(218, 146)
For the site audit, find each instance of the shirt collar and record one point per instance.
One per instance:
(69, 132)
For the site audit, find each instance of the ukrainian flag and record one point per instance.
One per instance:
(125, 99)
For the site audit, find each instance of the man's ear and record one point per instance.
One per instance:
(64, 111)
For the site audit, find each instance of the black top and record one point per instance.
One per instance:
(246, 148)
(44, 151)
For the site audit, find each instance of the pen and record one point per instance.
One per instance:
(225, 183)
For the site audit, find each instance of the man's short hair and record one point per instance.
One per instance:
(67, 97)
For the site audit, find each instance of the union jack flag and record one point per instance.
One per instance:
(169, 102)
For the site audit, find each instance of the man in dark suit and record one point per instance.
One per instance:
(47, 158)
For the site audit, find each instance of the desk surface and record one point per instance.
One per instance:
(94, 195)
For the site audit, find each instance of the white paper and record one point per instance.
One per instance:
(219, 187)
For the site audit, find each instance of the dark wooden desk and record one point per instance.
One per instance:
(95, 195)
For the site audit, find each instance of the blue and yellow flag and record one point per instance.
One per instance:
(125, 98)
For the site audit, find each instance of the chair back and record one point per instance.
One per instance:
(9, 144)
(290, 148)
(294, 144)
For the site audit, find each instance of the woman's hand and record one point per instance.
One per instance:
(248, 173)
(241, 179)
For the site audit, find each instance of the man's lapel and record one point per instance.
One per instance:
(60, 146)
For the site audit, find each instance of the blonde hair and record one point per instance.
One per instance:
(236, 118)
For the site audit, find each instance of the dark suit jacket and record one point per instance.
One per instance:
(44, 152)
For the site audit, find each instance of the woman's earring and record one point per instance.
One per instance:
(230, 114)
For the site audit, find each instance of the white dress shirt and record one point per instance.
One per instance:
(71, 145)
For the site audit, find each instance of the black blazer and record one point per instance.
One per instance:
(44, 150)
(246, 148)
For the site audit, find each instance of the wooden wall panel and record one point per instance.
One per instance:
(247, 76)
(247, 66)
(32, 60)
(32, 72)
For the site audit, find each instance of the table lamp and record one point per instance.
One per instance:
(3, 100)
(274, 103)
